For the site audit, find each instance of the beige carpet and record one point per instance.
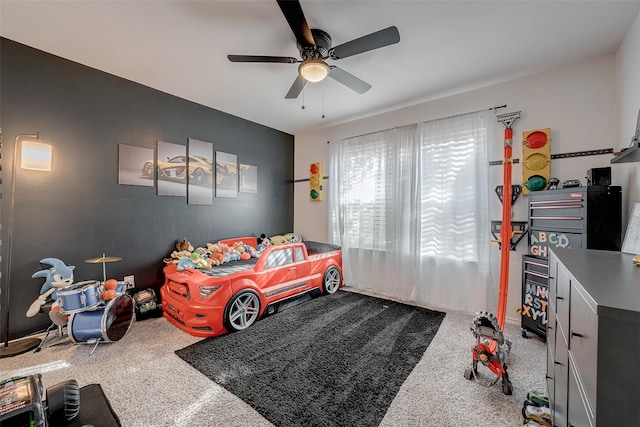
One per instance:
(148, 385)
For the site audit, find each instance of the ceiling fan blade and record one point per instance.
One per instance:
(366, 43)
(258, 58)
(296, 88)
(292, 12)
(349, 80)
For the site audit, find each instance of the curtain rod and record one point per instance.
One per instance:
(441, 118)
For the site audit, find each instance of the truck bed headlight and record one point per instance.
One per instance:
(207, 291)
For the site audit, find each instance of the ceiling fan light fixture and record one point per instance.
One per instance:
(314, 70)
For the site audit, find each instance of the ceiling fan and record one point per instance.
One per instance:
(315, 47)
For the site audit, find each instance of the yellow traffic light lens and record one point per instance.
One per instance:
(536, 161)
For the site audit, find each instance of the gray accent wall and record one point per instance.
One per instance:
(79, 211)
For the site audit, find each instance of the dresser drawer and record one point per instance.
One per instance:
(550, 377)
(553, 280)
(551, 328)
(563, 291)
(583, 341)
(560, 376)
(579, 412)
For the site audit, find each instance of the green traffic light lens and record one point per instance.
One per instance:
(536, 183)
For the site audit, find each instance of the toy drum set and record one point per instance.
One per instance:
(98, 311)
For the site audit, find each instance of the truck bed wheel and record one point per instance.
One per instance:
(242, 310)
(63, 402)
(331, 280)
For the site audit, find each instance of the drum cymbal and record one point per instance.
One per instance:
(102, 259)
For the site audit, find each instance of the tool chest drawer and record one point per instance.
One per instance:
(536, 269)
(558, 213)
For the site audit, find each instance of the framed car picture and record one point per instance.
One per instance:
(226, 175)
(248, 179)
(200, 172)
(171, 169)
(136, 165)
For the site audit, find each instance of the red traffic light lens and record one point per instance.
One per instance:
(314, 168)
(536, 140)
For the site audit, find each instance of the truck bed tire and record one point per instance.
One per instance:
(331, 281)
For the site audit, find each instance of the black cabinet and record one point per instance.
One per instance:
(572, 218)
(535, 277)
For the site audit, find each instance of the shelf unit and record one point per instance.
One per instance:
(631, 154)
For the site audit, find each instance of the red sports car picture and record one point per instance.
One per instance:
(200, 170)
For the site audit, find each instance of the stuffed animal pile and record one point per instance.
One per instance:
(212, 254)
(285, 239)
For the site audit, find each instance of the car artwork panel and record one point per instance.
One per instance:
(248, 179)
(200, 170)
(171, 168)
(129, 160)
(226, 174)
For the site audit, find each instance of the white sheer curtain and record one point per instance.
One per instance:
(372, 202)
(409, 206)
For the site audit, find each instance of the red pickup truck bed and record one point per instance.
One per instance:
(234, 295)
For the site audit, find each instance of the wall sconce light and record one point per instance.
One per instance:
(36, 156)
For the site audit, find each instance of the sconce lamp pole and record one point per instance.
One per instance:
(16, 347)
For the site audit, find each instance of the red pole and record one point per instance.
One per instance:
(505, 229)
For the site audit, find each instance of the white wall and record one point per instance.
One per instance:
(628, 91)
(577, 102)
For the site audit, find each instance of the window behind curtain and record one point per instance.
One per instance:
(409, 206)
(365, 176)
(453, 165)
(448, 183)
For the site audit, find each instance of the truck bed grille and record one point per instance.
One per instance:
(179, 289)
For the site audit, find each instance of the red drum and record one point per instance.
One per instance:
(106, 323)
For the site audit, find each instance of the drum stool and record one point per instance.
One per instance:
(59, 320)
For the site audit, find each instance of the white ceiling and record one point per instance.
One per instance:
(181, 47)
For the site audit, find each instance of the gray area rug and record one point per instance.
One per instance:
(336, 360)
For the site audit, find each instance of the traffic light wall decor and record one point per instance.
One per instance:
(315, 182)
(536, 160)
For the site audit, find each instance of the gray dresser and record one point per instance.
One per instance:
(593, 337)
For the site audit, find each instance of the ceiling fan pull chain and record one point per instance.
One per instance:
(323, 98)
(303, 97)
